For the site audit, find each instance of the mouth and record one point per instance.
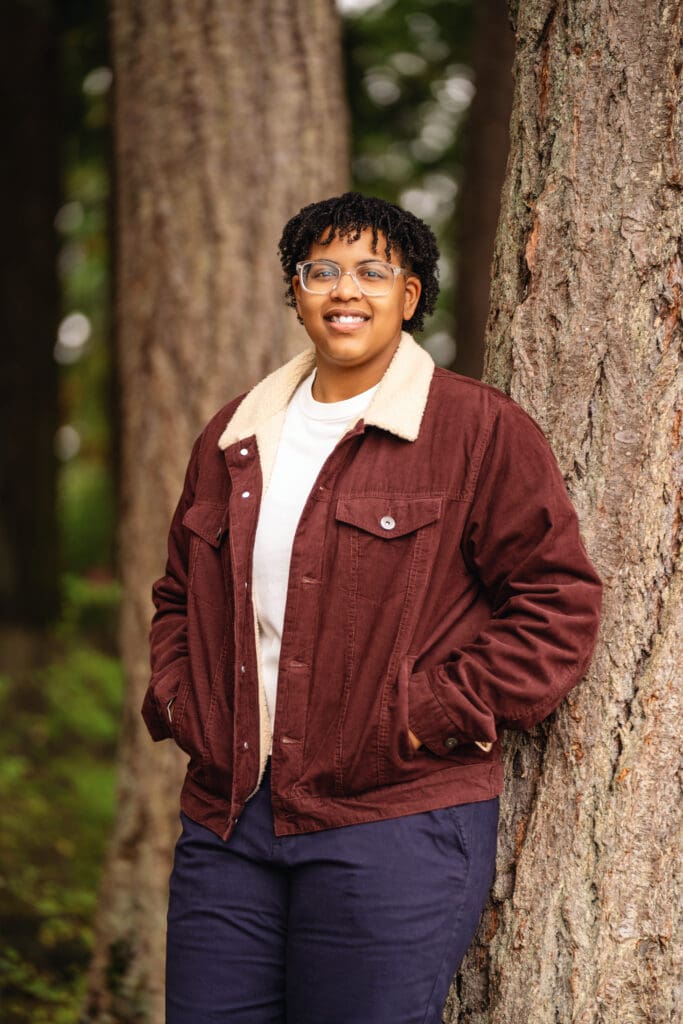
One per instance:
(346, 320)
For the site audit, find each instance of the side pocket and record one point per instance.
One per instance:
(406, 748)
(178, 709)
(395, 751)
(458, 814)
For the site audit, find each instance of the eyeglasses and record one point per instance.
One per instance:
(320, 277)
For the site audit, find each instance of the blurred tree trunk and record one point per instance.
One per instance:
(228, 118)
(30, 184)
(486, 150)
(585, 331)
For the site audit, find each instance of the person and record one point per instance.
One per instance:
(374, 569)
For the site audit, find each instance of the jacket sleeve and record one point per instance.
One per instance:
(168, 632)
(522, 541)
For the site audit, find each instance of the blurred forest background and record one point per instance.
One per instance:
(428, 87)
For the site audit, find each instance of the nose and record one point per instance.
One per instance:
(346, 286)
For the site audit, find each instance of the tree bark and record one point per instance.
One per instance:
(486, 150)
(228, 118)
(584, 330)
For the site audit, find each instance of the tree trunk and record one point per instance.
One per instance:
(30, 184)
(228, 118)
(584, 330)
(486, 150)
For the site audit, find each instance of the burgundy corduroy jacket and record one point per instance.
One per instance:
(438, 582)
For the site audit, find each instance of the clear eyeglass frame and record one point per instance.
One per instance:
(301, 271)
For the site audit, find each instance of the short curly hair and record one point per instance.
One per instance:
(347, 216)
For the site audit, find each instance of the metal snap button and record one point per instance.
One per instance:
(245, 494)
(450, 742)
(244, 451)
(387, 522)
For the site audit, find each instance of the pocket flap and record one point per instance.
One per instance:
(388, 517)
(207, 520)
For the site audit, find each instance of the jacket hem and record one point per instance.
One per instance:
(299, 813)
(460, 784)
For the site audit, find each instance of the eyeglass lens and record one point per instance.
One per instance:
(373, 278)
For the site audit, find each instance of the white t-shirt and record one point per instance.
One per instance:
(310, 432)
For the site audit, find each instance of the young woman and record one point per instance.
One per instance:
(373, 570)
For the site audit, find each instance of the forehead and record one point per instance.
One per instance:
(349, 249)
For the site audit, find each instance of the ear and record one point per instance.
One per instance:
(296, 288)
(411, 295)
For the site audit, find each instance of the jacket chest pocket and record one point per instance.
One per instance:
(383, 542)
(207, 522)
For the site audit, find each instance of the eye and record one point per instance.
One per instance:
(322, 272)
(374, 272)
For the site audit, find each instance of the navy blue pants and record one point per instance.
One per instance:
(365, 924)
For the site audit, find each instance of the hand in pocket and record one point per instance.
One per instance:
(415, 742)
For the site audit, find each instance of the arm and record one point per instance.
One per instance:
(168, 631)
(522, 541)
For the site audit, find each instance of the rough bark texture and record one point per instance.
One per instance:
(229, 117)
(30, 185)
(585, 331)
(486, 150)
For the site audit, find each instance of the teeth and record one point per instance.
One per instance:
(347, 319)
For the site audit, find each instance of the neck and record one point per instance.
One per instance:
(336, 390)
(335, 384)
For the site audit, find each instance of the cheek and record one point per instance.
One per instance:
(391, 311)
(305, 310)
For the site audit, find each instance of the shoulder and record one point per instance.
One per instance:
(462, 398)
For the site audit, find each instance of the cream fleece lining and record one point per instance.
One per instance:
(397, 406)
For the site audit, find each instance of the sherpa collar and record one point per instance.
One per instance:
(397, 405)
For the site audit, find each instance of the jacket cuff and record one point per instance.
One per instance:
(429, 721)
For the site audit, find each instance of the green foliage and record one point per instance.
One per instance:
(87, 512)
(57, 781)
(407, 73)
(86, 441)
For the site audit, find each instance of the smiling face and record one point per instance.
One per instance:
(355, 335)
